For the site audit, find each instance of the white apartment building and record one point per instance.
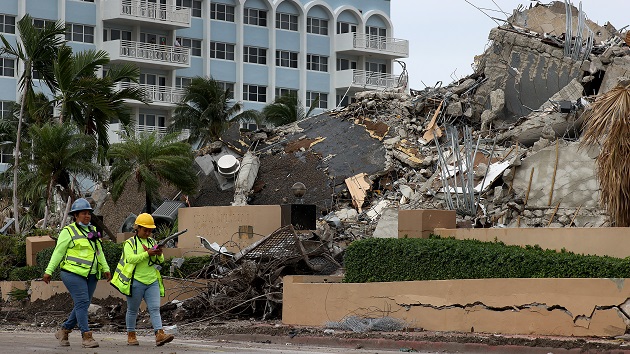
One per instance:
(259, 48)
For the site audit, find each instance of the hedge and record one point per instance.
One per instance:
(389, 260)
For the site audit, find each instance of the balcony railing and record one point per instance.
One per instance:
(115, 130)
(142, 10)
(161, 131)
(154, 11)
(155, 93)
(155, 52)
(369, 80)
(360, 43)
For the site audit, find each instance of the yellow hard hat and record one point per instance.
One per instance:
(145, 220)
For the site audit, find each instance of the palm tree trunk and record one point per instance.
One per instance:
(16, 157)
(149, 205)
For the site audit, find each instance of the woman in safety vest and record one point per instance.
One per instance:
(79, 254)
(136, 277)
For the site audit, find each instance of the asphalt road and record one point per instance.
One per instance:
(14, 342)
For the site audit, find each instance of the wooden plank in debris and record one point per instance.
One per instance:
(432, 128)
(358, 186)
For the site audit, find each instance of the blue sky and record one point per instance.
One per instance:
(445, 35)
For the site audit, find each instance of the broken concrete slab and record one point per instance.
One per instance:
(387, 226)
(350, 146)
(575, 178)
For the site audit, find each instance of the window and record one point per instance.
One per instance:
(79, 33)
(153, 79)
(345, 27)
(345, 101)
(222, 12)
(7, 23)
(346, 64)
(194, 5)
(316, 62)
(255, 17)
(255, 55)
(7, 67)
(227, 86)
(316, 26)
(376, 31)
(112, 34)
(151, 120)
(254, 93)
(6, 108)
(376, 67)
(6, 155)
(311, 97)
(193, 44)
(39, 23)
(182, 82)
(219, 50)
(375, 36)
(286, 21)
(286, 59)
(285, 92)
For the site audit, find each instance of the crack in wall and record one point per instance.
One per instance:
(582, 320)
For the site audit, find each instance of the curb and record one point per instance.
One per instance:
(413, 345)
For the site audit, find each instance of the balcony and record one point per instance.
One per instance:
(115, 130)
(158, 95)
(361, 80)
(141, 12)
(364, 44)
(161, 131)
(148, 54)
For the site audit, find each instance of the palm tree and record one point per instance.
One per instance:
(286, 109)
(150, 160)
(607, 124)
(37, 49)
(207, 110)
(58, 154)
(89, 101)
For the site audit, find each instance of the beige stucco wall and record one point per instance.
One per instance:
(175, 289)
(220, 224)
(601, 241)
(566, 307)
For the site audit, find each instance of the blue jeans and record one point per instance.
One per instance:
(81, 290)
(151, 295)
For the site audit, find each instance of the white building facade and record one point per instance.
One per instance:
(260, 49)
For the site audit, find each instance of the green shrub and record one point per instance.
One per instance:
(387, 260)
(26, 273)
(12, 254)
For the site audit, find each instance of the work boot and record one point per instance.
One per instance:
(62, 335)
(162, 338)
(131, 339)
(88, 341)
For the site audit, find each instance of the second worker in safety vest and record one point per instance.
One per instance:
(137, 277)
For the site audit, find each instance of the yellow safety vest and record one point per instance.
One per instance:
(123, 275)
(81, 254)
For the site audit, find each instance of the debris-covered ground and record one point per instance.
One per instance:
(500, 146)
